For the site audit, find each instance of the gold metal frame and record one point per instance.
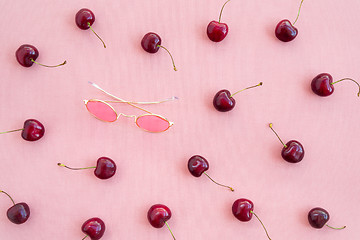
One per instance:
(131, 103)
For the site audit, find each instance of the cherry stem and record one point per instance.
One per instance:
(172, 59)
(170, 230)
(84, 237)
(8, 196)
(12, 131)
(350, 80)
(222, 9)
(246, 89)
(298, 12)
(335, 228)
(47, 65)
(63, 165)
(96, 34)
(261, 224)
(219, 183)
(270, 125)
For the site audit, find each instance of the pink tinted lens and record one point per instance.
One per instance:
(152, 123)
(101, 111)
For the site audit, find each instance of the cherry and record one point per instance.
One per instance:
(318, 217)
(293, 151)
(84, 19)
(105, 168)
(33, 130)
(322, 84)
(26, 55)
(158, 215)
(223, 101)
(18, 213)
(197, 165)
(243, 210)
(285, 31)
(93, 228)
(151, 42)
(217, 31)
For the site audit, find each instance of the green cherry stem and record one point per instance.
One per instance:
(47, 65)
(246, 89)
(170, 230)
(96, 34)
(222, 9)
(231, 189)
(84, 237)
(172, 59)
(8, 196)
(261, 224)
(298, 12)
(271, 126)
(335, 228)
(63, 165)
(12, 131)
(350, 80)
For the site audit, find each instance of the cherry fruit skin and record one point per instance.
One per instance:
(19, 213)
(25, 53)
(94, 228)
(318, 217)
(223, 102)
(242, 209)
(83, 17)
(293, 152)
(158, 214)
(322, 85)
(217, 31)
(150, 42)
(197, 165)
(105, 168)
(33, 130)
(285, 31)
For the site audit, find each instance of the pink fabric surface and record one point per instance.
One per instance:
(152, 168)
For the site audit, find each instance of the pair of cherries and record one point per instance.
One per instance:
(27, 54)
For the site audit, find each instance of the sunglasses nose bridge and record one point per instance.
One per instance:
(86, 101)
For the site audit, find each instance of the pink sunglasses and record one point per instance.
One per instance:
(149, 121)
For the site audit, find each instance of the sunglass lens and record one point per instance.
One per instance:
(152, 123)
(101, 110)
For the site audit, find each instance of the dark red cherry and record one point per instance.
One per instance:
(243, 209)
(158, 214)
(105, 168)
(293, 152)
(285, 31)
(25, 53)
(318, 217)
(197, 165)
(18, 213)
(94, 228)
(84, 17)
(322, 85)
(33, 130)
(151, 42)
(223, 101)
(217, 31)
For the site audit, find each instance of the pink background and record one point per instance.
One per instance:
(152, 168)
